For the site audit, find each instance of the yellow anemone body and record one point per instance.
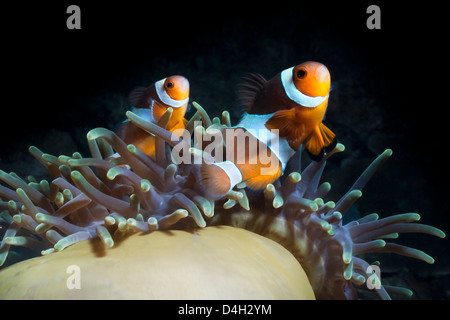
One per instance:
(218, 262)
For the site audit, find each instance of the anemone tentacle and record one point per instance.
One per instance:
(120, 190)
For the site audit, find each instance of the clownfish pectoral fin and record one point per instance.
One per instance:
(288, 128)
(320, 141)
(249, 88)
(136, 97)
(180, 124)
(260, 181)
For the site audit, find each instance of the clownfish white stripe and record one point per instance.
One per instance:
(144, 113)
(296, 95)
(232, 171)
(255, 124)
(165, 98)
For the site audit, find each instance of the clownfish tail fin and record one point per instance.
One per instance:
(249, 88)
(214, 180)
(321, 141)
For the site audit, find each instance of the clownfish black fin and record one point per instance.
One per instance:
(136, 97)
(316, 157)
(122, 129)
(321, 140)
(249, 88)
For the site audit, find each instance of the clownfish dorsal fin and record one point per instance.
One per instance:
(288, 127)
(136, 97)
(249, 88)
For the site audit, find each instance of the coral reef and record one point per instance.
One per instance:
(119, 190)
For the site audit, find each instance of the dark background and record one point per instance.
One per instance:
(389, 88)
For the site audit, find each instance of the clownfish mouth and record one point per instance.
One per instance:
(165, 98)
(296, 95)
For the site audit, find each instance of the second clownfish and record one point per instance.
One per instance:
(150, 103)
(297, 99)
(291, 106)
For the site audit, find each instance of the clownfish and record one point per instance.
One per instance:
(281, 114)
(150, 103)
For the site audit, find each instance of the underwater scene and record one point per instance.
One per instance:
(224, 152)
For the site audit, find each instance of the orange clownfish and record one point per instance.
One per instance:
(150, 103)
(281, 114)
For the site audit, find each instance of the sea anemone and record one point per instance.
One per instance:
(119, 191)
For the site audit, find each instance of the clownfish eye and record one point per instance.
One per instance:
(169, 85)
(301, 74)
